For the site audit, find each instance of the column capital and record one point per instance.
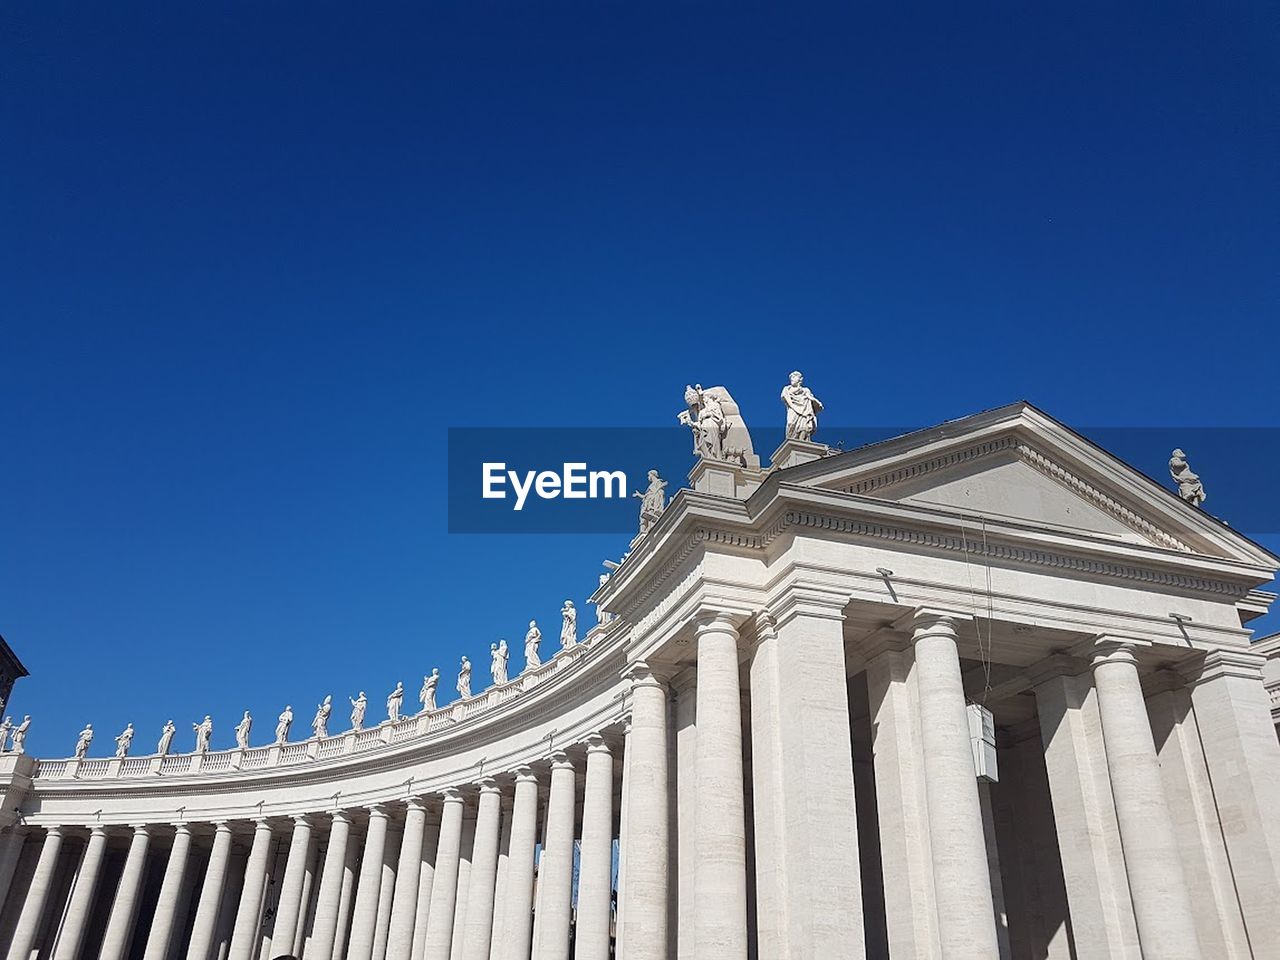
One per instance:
(377, 811)
(814, 601)
(709, 619)
(560, 761)
(416, 803)
(54, 830)
(340, 816)
(142, 828)
(525, 773)
(450, 795)
(936, 621)
(641, 675)
(261, 823)
(98, 830)
(182, 827)
(597, 744)
(488, 785)
(1110, 649)
(222, 826)
(302, 820)
(1223, 664)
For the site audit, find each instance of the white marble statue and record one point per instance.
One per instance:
(320, 723)
(242, 731)
(464, 679)
(204, 733)
(427, 695)
(569, 629)
(531, 641)
(358, 707)
(283, 724)
(719, 432)
(5, 729)
(20, 734)
(498, 656)
(166, 738)
(83, 741)
(802, 408)
(1190, 488)
(601, 615)
(652, 502)
(395, 701)
(124, 741)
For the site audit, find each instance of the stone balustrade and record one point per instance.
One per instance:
(409, 729)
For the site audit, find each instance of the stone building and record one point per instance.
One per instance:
(980, 691)
(11, 671)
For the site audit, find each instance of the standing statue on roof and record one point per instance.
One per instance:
(802, 408)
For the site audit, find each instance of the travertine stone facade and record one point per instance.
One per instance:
(764, 753)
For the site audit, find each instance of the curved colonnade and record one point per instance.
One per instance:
(492, 827)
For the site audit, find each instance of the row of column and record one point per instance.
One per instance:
(457, 888)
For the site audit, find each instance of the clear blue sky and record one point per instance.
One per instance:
(258, 257)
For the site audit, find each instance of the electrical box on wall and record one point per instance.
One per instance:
(982, 738)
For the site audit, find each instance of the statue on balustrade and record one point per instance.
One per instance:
(20, 734)
(320, 724)
(5, 729)
(204, 733)
(531, 641)
(358, 707)
(166, 738)
(652, 502)
(242, 731)
(569, 630)
(124, 741)
(802, 408)
(1190, 488)
(283, 724)
(395, 701)
(464, 679)
(427, 695)
(82, 743)
(498, 655)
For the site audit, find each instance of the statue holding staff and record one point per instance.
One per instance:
(320, 723)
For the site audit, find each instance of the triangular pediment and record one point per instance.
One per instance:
(1018, 464)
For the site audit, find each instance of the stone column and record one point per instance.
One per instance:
(124, 909)
(555, 880)
(171, 889)
(37, 896)
(962, 885)
(244, 936)
(465, 852)
(684, 779)
(644, 908)
(519, 891)
(1233, 713)
(77, 918)
(1160, 901)
(215, 879)
(364, 925)
(350, 875)
(478, 928)
(619, 919)
(595, 868)
(11, 844)
(496, 943)
(404, 905)
(802, 766)
(289, 908)
(325, 929)
(444, 888)
(720, 877)
(387, 889)
(1102, 920)
(905, 856)
(426, 880)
